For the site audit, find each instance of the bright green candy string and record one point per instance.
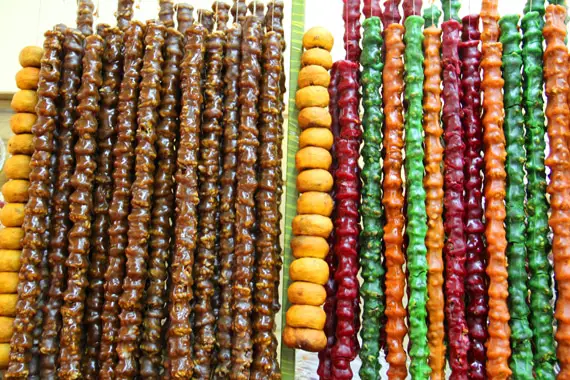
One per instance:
(371, 208)
(521, 334)
(416, 228)
(431, 16)
(451, 10)
(540, 283)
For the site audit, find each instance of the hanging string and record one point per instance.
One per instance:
(346, 26)
(216, 6)
(272, 16)
(432, 3)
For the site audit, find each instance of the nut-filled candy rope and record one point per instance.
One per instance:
(498, 345)
(416, 228)
(393, 200)
(347, 229)
(239, 11)
(257, 9)
(184, 17)
(162, 209)
(222, 14)
(134, 283)
(325, 361)
(540, 268)
(209, 169)
(454, 249)
(85, 10)
(123, 165)
(557, 111)
(521, 360)
(391, 14)
(80, 209)
(433, 184)
(112, 72)
(371, 208)
(227, 199)
(206, 18)
(267, 211)
(247, 184)
(166, 13)
(57, 252)
(179, 362)
(124, 13)
(36, 210)
(476, 279)
(351, 17)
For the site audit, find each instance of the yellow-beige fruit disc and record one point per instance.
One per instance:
(12, 214)
(10, 260)
(314, 180)
(24, 101)
(27, 78)
(312, 157)
(18, 167)
(313, 75)
(8, 305)
(31, 56)
(319, 37)
(309, 269)
(309, 246)
(16, 191)
(11, 237)
(317, 56)
(22, 122)
(304, 339)
(315, 202)
(312, 96)
(306, 293)
(21, 144)
(307, 316)
(314, 117)
(319, 137)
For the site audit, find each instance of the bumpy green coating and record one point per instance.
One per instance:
(535, 6)
(540, 283)
(451, 10)
(521, 359)
(431, 16)
(416, 228)
(371, 207)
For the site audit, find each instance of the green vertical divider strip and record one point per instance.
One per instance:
(296, 43)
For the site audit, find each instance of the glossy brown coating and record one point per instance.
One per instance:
(166, 13)
(163, 209)
(393, 201)
(247, 183)
(124, 13)
(57, 252)
(179, 363)
(131, 301)
(209, 169)
(184, 17)
(37, 208)
(112, 72)
(85, 10)
(222, 12)
(257, 9)
(557, 111)
(123, 165)
(239, 10)
(81, 209)
(232, 60)
(206, 18)
(267, 238)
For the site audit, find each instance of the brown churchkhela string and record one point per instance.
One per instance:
(85, 10)
(124, 13)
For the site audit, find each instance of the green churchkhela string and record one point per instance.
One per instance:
(371, 207)
(451, 10)
(540, 283)
(416, 228)
(521, 334)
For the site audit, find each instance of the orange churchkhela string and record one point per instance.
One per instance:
(498, 347)
(557, 113)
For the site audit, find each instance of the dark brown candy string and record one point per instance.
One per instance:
(325, 361)
(232, 60)
(209, 169)
(81, 209)
(247, 183)
(85, 10)
(347, 230)
(257, 8)
(166, 13)
(101, 29)
(38, 319)
(184, 17)
(131, 301)
(222, 11)
(124, 13)
(123, 153)
(179, 362)
(163, 209)
(57, 252)
(206, 18)
(239, 10)
(267, 211)
(112, 72)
